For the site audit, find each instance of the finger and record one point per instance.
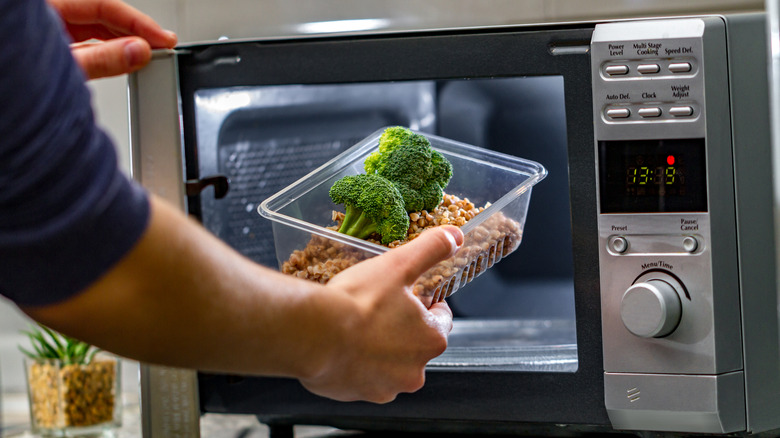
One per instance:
(112, 58)
(428, 249)
(118, 16)
(84, 32)
(441, 318)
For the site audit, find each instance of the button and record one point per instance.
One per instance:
(618, 244)
(681, 111)
(647, 69)
(652, 309)
(649, 112)
(618, 113)
(616, 70)
(680, 67)
(690, 244)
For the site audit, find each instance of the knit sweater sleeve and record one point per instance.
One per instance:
(67, 212)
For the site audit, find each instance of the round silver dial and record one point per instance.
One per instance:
(652, 308)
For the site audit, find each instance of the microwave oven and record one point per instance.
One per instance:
(643, 297)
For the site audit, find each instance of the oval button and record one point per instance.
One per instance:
(616, 70)
(649, 112)
(680, 67)
(618, 113)
(681, 111)
(647, 69)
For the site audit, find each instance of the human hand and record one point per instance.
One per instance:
(126, 35)
(394, 335)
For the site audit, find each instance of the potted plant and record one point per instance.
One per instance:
(72, 388)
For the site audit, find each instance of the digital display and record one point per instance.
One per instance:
(652, 176)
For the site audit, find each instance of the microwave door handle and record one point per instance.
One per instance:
(220, 183)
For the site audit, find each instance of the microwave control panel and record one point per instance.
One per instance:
(667, 246)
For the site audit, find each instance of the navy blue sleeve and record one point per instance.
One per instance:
(67, 212)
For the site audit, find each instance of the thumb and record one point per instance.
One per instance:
(429, 248)
(112, 58)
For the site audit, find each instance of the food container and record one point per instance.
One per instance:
(303, 211)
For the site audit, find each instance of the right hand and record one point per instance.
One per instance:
(393, 335)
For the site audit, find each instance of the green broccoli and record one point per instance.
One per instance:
(407, 159)
(391, 139)
(373, 205)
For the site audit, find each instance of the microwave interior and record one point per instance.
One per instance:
(518, 315)
(264, 114)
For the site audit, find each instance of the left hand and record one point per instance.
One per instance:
(127, 36)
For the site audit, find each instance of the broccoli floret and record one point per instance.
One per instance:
(408, 160)
(373, 205)
(426, 198)
(391, 139)
(441, 169)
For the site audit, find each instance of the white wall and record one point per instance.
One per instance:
(198, 20)
(110, 99)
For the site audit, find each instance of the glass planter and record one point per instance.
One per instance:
(74, 400)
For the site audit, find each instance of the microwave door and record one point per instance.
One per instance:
(526, 347)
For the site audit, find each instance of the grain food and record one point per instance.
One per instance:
(496, 237)
(71, 395)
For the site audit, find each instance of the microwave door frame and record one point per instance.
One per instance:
(168, 396)
(493, 396)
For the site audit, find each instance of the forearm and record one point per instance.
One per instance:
(182, 297)
(85, 256)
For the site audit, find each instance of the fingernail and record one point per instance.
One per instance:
(134, 53)
(455, 236)
(172, 35)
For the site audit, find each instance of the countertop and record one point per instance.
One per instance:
(15, 414)
(16, 422)
(15, 417)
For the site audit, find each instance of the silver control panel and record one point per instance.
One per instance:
(669, 293)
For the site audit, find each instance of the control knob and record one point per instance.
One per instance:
(652, 308)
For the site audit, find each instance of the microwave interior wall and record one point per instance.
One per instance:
(266, 114)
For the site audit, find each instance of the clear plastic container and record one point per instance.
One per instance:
(301, 213)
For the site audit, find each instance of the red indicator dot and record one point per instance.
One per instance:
(670, 160)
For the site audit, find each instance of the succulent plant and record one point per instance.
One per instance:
(50, 345)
